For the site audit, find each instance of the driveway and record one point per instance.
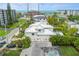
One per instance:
(35, 49)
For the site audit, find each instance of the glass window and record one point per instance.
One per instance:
(32, 33)
(39, 30)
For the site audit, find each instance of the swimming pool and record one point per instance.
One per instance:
(53, 53)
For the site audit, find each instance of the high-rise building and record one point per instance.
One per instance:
(3, 16)
(7, 16)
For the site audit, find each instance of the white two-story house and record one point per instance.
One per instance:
(39, 31)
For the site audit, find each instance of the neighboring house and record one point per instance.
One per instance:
(73, 25)
(40, 31)
(33, 13)
(3, 16)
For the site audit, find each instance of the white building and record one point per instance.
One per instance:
(73, 25)
(40, 31)
(4, 17)
(68, 12)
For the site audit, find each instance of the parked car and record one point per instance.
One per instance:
(3, 42)
(1, 38)
(11, 46)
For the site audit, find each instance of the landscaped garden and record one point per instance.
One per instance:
(23, 43)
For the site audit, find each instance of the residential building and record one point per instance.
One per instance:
(73, 25)
(39, 18)
(40, 31)
(3, 16)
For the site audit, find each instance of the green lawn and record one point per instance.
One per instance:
(20, 22)
(16, 24)
(26, 25)
(12, 52)
(3, 33)
(68, 51)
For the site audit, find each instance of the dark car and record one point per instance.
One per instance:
(11, 46)
(3, 42)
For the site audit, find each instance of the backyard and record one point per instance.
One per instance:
(68, 51)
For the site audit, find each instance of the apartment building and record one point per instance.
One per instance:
(4, 18)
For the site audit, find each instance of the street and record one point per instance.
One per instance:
(8, 38)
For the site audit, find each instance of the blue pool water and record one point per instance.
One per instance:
(53, 53)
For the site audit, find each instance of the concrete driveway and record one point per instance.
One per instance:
(35, 49)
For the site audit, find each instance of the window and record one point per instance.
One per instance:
(32, 33)
(39, 30)
(40, 19)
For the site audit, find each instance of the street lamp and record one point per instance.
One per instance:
(6, 30)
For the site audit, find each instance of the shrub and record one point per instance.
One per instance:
(76, 43)
(62, 40)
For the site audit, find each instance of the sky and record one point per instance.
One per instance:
(42, 6)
